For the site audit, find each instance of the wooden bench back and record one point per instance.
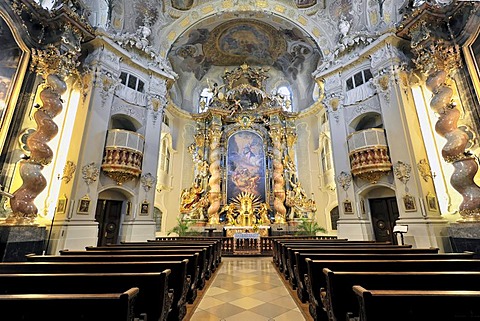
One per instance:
(115, 264)
(74, 307)
(203, 260)
(341, 299)
(415, 305)
(150, 299)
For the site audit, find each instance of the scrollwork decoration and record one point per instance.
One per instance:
(344, 179)
(402, 171)
(90, 173)
(148, 181)
(68, 171)
(424, 169)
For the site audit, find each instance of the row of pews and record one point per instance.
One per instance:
(372, 281)
(153, 280)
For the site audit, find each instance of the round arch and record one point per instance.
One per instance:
(274, 10)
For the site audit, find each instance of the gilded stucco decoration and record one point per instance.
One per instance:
(424, 169)
(68, 171)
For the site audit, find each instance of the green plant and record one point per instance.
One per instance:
(181, 228)
(309, 227)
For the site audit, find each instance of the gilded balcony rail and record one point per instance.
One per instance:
(368, 152)
(123, 155)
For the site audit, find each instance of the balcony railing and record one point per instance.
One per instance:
(369, 158)
(123, 155)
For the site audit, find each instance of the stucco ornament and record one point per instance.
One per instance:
(344, 179)
(148, 181)
(402, 171)
(90, 173)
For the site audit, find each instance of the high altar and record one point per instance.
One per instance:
(245, 175)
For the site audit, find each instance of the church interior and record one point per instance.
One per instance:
(244, 121)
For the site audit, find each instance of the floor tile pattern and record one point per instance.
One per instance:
(247, 288)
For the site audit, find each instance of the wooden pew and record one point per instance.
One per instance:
(417, 305)
(289, 254)
(153, 288)
(211, 248)
(102, 266)
(72, 307)
(300, 269)
(277, 243)
(366, 249)
(217, 244)
(340, 300)
(313, 280)
(178, 281)
(283, 248)
(205, 253)
(170, 254)
(316, 282)
(194, 267)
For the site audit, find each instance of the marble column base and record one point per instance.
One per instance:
(465, 237)
(17, 241)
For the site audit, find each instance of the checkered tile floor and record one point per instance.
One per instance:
(247, 288)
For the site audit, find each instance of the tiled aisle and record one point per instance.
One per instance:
(247, 288)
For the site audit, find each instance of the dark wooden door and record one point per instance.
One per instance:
(108, 215)
(384, 214)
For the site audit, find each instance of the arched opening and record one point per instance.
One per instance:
(112, 206)
(383, 209)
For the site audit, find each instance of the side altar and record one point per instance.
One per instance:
(243, 152)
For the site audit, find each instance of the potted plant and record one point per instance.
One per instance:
(181, 228)
(309, 227)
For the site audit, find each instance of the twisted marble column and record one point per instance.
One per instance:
(454, 151)
(24, 211)
(278, 180)
(215, 176)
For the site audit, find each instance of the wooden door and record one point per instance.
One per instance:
(108, 215)
(384, 214)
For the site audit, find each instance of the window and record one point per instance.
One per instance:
(334, 217)
(359, 79)
(157, 216)
(132, 82)
(326, 157)
(165, 157)
(165, 120)
(205, 99)
(286, 97)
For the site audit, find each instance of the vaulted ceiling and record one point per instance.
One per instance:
(204, 51)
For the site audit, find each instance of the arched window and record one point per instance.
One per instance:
(326, 157)
(157, 217)
(165, 157)
(205, 99)
(286, 96)
(334, 216)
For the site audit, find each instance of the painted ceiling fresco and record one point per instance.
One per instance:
(241, 41)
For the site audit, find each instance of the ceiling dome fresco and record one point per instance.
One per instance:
(204, 52)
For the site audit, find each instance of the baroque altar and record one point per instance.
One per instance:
(244, 158)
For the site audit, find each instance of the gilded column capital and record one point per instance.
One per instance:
(50, 61)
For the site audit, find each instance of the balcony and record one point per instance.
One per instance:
(123, 155)
(368, 152)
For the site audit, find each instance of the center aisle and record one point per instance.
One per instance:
(247, 288)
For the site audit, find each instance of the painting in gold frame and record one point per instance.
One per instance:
(14, 58)
(472, 58)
